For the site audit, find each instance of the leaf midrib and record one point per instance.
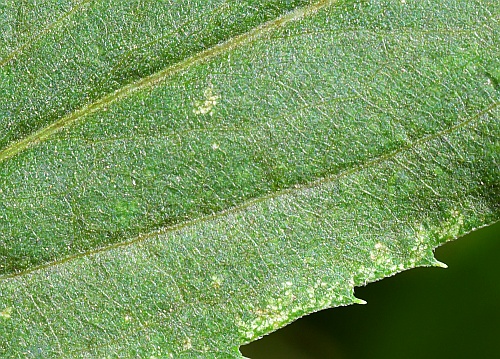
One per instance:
(296, 189)
(156, 78)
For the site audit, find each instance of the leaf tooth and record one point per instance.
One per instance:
(436, 263)
(359, 301)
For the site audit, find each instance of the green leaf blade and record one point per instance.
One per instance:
(85, 50)
(190, 215)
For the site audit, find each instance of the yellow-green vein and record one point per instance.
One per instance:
(252, 202)
(159, 77)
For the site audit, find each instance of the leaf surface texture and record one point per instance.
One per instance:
(179, 178)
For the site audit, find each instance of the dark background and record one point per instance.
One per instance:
(422, 313)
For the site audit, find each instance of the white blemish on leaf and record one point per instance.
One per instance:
(6, 313)
(207, 104)
(386, 263)
(271, 317)
(216, 281)
(186, 344)
(290, 304)
(380, 254)
(451, 228)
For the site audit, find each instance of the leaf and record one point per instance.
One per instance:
(180, 178)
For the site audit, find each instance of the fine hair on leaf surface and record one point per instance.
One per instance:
(180, 178)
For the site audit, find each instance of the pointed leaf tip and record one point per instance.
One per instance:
(360, 301)
(439, 264)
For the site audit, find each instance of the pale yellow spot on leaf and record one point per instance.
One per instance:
(206, 105)
(186, 345)
(6, 313)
